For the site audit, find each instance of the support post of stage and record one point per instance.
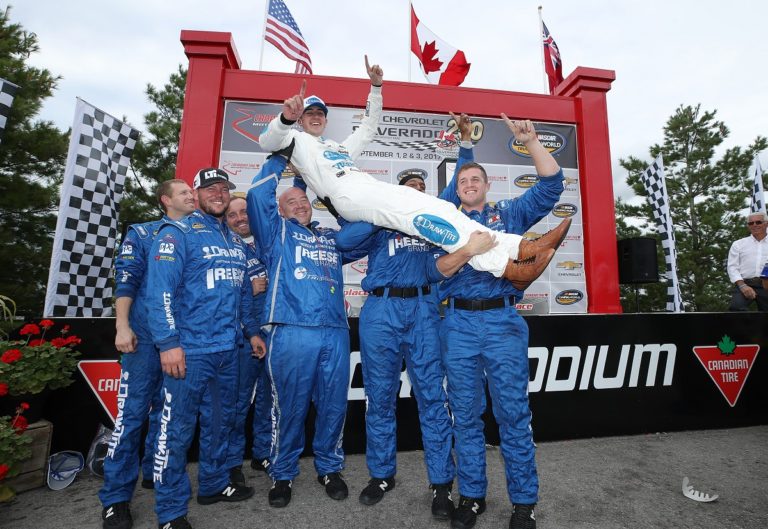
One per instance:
(588, 86)
(210, 54)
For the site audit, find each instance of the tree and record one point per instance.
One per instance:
(32, 156)
(154, 159)
(707, 201)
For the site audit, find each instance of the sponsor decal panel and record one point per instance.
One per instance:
(569, 297)
(103, 377)
(354, 299)
(564, 210)
(728, 365)
(436, 230)
(447, 144)
(553, 141)
(250, 123)
(526, 181)
(360, 266)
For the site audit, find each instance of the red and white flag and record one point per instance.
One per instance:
(553, 65)
(440, 62)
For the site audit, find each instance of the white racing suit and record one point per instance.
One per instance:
(328, 169)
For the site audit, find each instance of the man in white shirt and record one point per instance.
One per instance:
(746, 260)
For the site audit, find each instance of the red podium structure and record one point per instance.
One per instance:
(215, 76)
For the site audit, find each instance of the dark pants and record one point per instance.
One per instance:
(740, 303)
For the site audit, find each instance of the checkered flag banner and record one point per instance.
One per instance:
(79, 280)
(758, 197)
(653, 179)
(7, 91)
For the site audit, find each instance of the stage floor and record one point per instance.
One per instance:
(613, 482)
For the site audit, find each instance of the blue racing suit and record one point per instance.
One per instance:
(308, 338)
(200, 300)
(400, 320)
(253, 385)
(483, 336)
(140, 376)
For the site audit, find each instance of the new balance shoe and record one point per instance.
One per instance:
(177, 523)
(260, 463)
(465, 516)
(335, 487)
(231, 493)
(117, 516)
(280, 493)
(442, 502)
(374, 491)
(523, 516)
(236, 476)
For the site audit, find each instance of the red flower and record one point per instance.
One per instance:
(46, 324)
(10, 356)
(20, 424)
(24, 406)
(3, 471)
(72, 340)
(36, 342)
(65, 329)
(59, 342)
(29, 328)
(3, 391)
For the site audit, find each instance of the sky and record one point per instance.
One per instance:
(665, 54)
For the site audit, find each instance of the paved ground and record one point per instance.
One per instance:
(619, 482)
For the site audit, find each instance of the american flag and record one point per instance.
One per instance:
(284, 34)
(552, 62)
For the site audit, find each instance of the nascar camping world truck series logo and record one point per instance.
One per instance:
(728, 365)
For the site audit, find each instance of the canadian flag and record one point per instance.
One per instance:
(440, 62)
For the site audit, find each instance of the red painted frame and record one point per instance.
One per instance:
(215, 76)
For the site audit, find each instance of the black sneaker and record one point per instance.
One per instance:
(523, 516)
(260, 463)
(236, 476)
(280, 493)
(148, 484)
(232, 492)
(335, 487)
(117, 516)
(374, 491)
(177, 523)
(465, 516)
(442, 502)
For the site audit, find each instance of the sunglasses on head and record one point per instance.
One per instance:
(754, 223)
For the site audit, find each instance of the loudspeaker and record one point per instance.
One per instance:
(638, 261)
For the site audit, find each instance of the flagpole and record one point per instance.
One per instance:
(263, 33)
(541, 43)
(410, 29)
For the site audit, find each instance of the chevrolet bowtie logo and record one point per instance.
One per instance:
(569, 265)
(569, 181)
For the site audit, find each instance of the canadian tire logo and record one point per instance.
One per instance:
(728, 365)
(103, 377)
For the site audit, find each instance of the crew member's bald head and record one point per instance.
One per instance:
(294, 204)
